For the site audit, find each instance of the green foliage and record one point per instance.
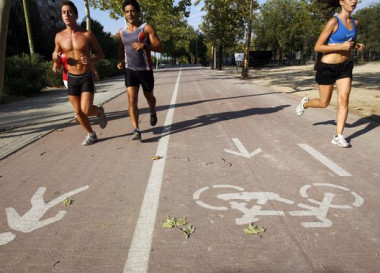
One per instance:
(24, 75)
(107, 68)
(180, 223)
(369, 27)
(108, 43)
(288, 26)
(254, 230)
(168, 18)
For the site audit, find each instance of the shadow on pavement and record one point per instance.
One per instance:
(362, 121)
(205, 120)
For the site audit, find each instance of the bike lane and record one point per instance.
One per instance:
(105, 181)
(238, 154)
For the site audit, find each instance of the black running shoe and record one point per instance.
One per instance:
(153, 119)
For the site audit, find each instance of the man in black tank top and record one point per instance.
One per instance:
(137, 40)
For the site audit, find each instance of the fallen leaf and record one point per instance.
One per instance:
(189, 230)
(169, 222)
(67, 202)
(252, 230)
(156, 157)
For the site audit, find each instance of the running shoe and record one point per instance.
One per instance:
(136, 135)
(153, 119)
(76, 119)
(102, 118)
(340, 141)
(300, 109)
(90, 139)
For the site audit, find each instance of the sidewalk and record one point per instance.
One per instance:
(29, 119)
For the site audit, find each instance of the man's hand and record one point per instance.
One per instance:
(56, 56)
(138, 46)
(120, 65)
(359, 47)
(84, 59)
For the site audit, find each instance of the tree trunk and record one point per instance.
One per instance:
(220, 58)
(88, 16)
(245, 69)
(28, 27)
(5, 8)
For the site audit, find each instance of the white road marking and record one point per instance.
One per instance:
(325, 161)
(242, 150)
(31, 220)
(138, 255)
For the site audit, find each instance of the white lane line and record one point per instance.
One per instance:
(325, 161)
(138, 255)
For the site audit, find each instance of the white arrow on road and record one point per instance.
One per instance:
(6, 237)
(30, 221)
(242, 150)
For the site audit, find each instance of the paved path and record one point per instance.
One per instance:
(231, 153)
(26, 121)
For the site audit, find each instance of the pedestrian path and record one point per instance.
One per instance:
(28, 120)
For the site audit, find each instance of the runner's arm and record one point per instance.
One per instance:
(155, 43)
(322, 47)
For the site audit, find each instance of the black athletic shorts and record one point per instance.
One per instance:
(137, 77)
(328, 74)
(77, 84)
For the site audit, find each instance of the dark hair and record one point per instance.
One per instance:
(330, 5)
(71, 4)
(133, 3)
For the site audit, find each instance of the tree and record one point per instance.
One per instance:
(222, 25)
(168, 19)
(369, 28)
(247, 10)
(5, 7)
(106, 41)
(287, 26)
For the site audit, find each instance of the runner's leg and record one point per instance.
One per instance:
(82, 117)
(325, 92)
(343, 87)
(133, 92)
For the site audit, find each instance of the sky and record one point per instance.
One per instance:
(111, 25)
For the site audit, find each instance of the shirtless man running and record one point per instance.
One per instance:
(77, 45)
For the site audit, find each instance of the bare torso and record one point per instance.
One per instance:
(75, 45)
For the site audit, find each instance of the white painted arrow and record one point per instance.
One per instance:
(30, 221)
(242, 150)
(6, 237)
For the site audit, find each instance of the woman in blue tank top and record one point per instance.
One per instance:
(336, 43)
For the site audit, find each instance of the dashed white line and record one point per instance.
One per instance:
(138, 255)
(325, 161)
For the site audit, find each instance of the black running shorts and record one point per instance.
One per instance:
(328, 74)
(77, 84)
(137, 77)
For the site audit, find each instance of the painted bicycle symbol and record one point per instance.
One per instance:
(239, 199)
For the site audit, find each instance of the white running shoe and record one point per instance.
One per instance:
(90, 139)
(300, 109)
(340, 141)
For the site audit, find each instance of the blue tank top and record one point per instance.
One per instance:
(342, 34)
(136, 60)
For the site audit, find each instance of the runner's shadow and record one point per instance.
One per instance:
(362, 121)
(205, 120)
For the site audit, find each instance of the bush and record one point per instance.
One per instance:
(24, 75)
(52, 79)
(107, 68)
